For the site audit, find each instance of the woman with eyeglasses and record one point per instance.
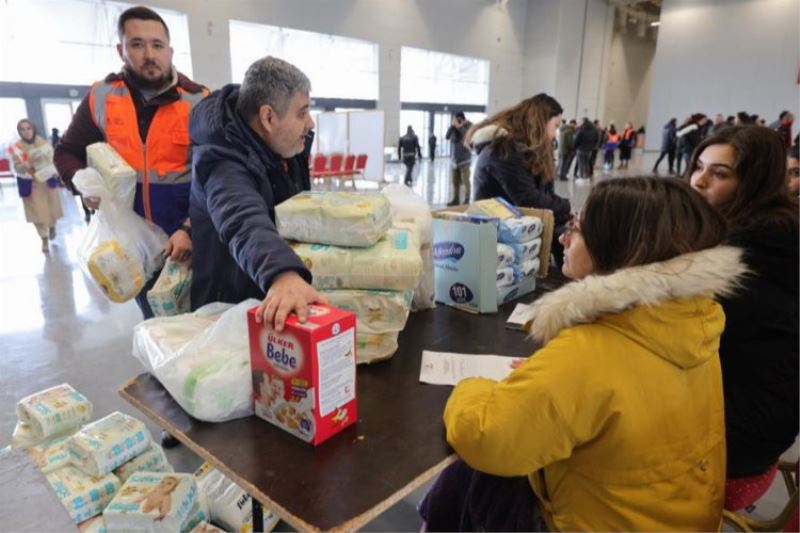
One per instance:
(741, 171)
(616, 423)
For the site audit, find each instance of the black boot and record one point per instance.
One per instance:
(168, 441)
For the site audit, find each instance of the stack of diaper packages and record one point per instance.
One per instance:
(358, 259)
(519, 242)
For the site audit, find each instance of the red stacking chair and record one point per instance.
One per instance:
(361, 163)
(5, 169)
(319, 163)
(349, 169)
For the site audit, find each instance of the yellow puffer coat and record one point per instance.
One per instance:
(618, 420)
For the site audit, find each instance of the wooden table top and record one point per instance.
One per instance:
(397, 444)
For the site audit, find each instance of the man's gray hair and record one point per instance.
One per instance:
(273, 82)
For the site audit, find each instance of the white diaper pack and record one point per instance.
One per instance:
(108, 443)
(54, 411)
(171, 293)
(51, 455)
(154, 501)
(82, 495)
(93, 525)
(152, 459)
(376, 311)
(119, 176)
(371, 348)
(338, 218)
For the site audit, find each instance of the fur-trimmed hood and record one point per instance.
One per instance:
(485, 135)
(655, 296)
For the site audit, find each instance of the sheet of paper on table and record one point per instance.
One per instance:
(447, 368)
(520, 317)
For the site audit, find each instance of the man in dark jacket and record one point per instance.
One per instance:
(462, 157)
(408, 150)
(585, 142)
(252, 147)
(566, 148)
(668, 145)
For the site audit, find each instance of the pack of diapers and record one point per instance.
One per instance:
(119, 176)
(93, 525)
(151, 460)
(83, 496)
(520, 229)
(228, 504)
(526, 269)
(23, 437)
(376, 311)
(108, 443)
(205, 527)
(54, 411)
(51, 455)
(371, 348)
(524, 251)
(118, 273)
(493, 207)
(394, 263)
(339, 218)
(505, 255)
(170, 294)
(153, 501)
(199, 513)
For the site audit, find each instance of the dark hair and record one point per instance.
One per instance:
(460, 115)
(744, 117)
(782, 115)
(646, 219)
(761, 167)
(794, 151)
(730, 119)
(526, 130)
(29, 121)
(138, 13)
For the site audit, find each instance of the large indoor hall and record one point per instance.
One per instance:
(399, 265)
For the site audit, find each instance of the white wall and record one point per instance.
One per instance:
(724, 56)
(477, 28)
(630, 78)
(566, 53)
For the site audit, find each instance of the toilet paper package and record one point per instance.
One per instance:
(54, 411)
(338, 218)
(108, 443)
(525, 251)
(526, 269)
(153, 501)
(394, 263)
(505, 255)
(524, 228)
(151, 460)
(82, 495)
(505, 276)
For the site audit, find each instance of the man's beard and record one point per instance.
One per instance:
(145, 83)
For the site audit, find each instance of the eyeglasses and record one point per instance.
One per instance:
(573, 225)
(794, 172)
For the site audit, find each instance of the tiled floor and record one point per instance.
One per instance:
(55, 326)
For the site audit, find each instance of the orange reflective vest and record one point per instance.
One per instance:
(166, 156)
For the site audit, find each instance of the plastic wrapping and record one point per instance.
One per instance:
(170, 295)
(520, 229)
(392, 264)
(505, 276)
(525, 251)
(505, 255)
(50, 455)
(376, 312)
(526, 269)
(119, 176)
(202, 359)
(338, 218)
(54, 411)
(120, 249)
(371, 348)
(108, 443)
(152, 459)
(82, 495)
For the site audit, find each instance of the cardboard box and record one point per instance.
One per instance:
(304, 378)
(465, 261)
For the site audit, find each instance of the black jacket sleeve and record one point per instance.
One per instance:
(523, 189)
(241, 217)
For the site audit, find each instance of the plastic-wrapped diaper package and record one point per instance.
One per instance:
(339, 218)
(526, 269)
(393, 263)
(202, 359)
(23, 437)
(505, 255)
(376, 311)
(116, 271)
(524, 251)
(494, 207)
(505, 276)
(520, 229)
(205, 527)
(199, 513)
(93, 525)
(51, 455)
(117, 173)
(152, 459)
(170, 294)
(82, 495)
(371, 348)
(228, 504)
(108, 443)
(54, 411)
(153, 501)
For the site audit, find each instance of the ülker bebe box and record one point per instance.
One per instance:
(304, 378)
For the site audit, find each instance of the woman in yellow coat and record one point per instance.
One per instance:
(37, 181)
(617, 423)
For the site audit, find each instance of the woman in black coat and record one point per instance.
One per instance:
(515, 159)
(741, 170)
(668, 145)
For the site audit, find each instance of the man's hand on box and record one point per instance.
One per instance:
(289, 293)
(179, 247)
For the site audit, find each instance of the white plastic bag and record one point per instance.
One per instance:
(202, 359)
(409, 207)
(120, 250)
